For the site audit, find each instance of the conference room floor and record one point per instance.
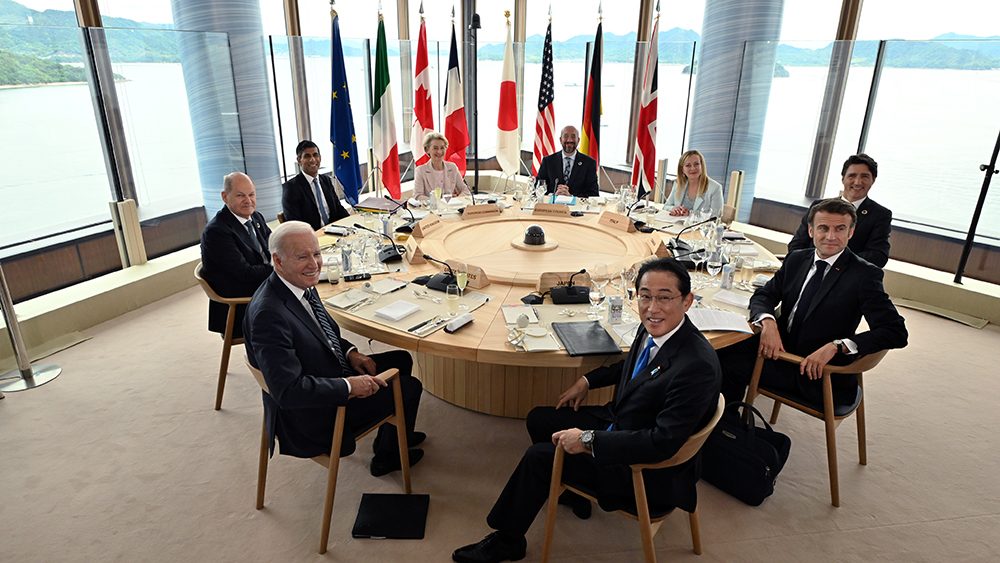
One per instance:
(123, 459)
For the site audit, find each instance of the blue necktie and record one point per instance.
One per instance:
(319, 202)
(324, 322)
(640, 363)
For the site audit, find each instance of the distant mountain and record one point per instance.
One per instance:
(315, 47)
(987, 45)
(674, 47)
(900, 54)
(25, 69)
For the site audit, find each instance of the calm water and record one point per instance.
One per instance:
(52, 173)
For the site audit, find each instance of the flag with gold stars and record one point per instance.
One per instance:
(346, 166)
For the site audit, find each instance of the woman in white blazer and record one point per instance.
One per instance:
(694, 191)
(437, 173)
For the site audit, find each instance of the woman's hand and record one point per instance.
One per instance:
(679, 211)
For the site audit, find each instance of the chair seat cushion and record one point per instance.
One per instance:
(838, 410)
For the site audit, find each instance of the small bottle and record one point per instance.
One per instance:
(615, 310)
(728, 272)
(345, 259)
(720, 230)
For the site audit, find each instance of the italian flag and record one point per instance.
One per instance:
(384, 120)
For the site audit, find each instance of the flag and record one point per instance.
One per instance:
(383, 118)
(456, 129)
(423, 109)
(346, 166)
(545, 123)
(644, 162)
(590, 137)
(508, 149)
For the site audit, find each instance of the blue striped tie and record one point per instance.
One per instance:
(319, 201)
(325, 322)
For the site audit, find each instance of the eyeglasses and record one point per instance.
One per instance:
(663, 300)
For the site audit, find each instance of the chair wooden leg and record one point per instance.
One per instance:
(400, 423)
(752, 391)
(262, 465)
(331, 478)
(555, 489)
(227, 346)
(695, 531)
(862, 432)
(642, 511)
(774, 413)
(831, 439)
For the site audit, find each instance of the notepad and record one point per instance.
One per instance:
(392, 516)
(586, 338)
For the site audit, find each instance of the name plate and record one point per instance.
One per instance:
(657, 247)
(551, 209)
(551, 279)
(616, 221)
(426, 225)
(413, 253)
(480, 211)
(477, 277)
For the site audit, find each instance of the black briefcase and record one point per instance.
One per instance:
(742, 458)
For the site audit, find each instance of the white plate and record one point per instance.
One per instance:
(536, 331)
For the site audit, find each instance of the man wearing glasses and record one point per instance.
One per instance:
(667, 389)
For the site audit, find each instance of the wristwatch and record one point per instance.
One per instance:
(587, 439)
(840, 346)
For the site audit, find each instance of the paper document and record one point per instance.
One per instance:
(713, 319)
(388, 285)
(512, 312)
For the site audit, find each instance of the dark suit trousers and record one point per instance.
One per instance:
(363, 413)
(737, 363)
(528, 488)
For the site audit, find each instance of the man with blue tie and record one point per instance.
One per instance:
(309, 196)
(667, 389)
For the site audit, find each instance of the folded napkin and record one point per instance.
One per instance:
(458, 323)
(397, 311)
(337, 230)
(732, 298)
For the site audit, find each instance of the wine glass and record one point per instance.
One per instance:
(361, 247)
(596, 297)
(452, 299)
(462, 279)
(540, 188)
(714, 264)
(600, 277)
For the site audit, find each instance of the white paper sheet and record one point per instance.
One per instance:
(713, 319)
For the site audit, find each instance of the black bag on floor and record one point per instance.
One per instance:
(744, 459)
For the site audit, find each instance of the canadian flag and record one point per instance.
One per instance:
(384, 120)
(456, 128)
(644, 163)
(423, 109)
(508, 148)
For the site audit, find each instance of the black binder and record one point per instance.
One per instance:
(394, 516)
(586, 338)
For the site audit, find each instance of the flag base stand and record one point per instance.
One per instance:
(39, 375)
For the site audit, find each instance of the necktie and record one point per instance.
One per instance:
(640, 363)
(256, 240)
(324, 323)
(808, 293)
(567, 168)
(319, 202)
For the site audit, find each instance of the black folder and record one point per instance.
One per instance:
(395, 516)
(587, 338)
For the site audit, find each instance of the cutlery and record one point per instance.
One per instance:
(427, 329)
(430, 320)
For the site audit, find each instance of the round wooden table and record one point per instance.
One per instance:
(475, 367)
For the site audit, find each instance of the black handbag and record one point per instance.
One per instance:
(742, 458)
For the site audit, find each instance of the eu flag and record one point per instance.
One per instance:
(346, 166)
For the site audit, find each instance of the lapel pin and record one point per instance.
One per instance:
(864, 212)
(655, 371)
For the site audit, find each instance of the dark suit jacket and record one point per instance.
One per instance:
(871, 234)
(852, 288)
(299, 204)
(231, 264)
(302, 372)
(654, 413)
(582, 179)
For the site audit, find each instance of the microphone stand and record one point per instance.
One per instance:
(407, 227)
(386, 254)
(677, 244)
(440, 281)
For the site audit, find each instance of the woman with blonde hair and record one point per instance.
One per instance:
(437, 173)
(694, 191)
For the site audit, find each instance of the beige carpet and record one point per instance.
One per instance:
(123, 459)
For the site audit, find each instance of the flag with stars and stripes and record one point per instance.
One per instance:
(545, 123)
(346, 167)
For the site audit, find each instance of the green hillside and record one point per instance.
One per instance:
(25, 69)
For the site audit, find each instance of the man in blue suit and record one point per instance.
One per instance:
(311, 369)
(309, 196)
(234, 253)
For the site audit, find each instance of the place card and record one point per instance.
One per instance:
(617, 221)
(426, 225)
(551, 209)
(414, 255)
(481, 211)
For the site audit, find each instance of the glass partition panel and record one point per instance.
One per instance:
(52, 174)
(675, 85)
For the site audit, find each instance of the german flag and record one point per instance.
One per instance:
(590, 136)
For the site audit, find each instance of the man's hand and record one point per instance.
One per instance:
(679, 211)
(361, 363)
(812, 366)
(562, 189)
(569, 440)
(770, 340)
(575, 395)
(364, 385)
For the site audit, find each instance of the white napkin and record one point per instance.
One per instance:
(759, 280)
(459, 322)
(732, 298)
(397, 311)
(337, 230)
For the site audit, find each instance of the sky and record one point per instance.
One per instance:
(803, 19)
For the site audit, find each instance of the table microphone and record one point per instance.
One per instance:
(677, 244)
(405, 227)
(386, 254)
(440, 281)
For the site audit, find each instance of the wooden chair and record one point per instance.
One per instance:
(332, 461)
(829, 413)
(648, 523)
(281, 217)
(227, 339)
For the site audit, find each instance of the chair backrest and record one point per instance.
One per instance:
(281, 217)
(212, 295)
(257, 374)
(693, 443)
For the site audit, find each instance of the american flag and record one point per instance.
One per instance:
(545, 123)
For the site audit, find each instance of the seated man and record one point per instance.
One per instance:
(823, 294)
(309, 196)
(569, 172)
(234, 255)
(668, 389)
(874, 224)
(310, 369)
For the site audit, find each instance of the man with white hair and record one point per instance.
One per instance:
(310, 369)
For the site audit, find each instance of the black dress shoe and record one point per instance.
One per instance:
(380, 467)
(492, 549)
(581, 506)
(412, 441)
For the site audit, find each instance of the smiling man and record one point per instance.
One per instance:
(823, 293)
(309, 196)
(667, 389)
(874, 223)
(311, 369)
(569, 172)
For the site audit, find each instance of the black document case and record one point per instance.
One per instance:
(395, 516)
(586, 338)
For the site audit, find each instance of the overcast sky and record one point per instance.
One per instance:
(803, 19)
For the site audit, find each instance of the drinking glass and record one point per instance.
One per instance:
(600, 277)
(462, 277)
(361, 247)
(714, 263)
(369, 221)
(452, 299)
(596, 296)
(746, 274)
(540, 188)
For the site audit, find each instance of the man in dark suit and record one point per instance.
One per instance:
(310, 369)
(667, 389)
(569, 172)
(823, 294)
(234, 254)
(874, 225)
(300, 196)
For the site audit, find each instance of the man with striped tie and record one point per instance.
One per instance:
(309, 196)
(667, 389)
(311, 369)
